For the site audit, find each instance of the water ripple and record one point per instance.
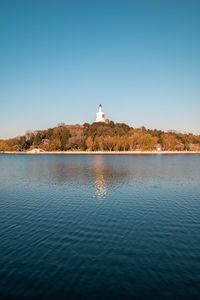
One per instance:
(99, 227)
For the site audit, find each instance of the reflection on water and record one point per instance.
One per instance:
(100, 170)
(58, 241)
(100, 177)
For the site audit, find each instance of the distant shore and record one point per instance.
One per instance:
(102, 152)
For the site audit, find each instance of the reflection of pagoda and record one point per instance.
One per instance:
(100, 178)
(100, 116)
(101, 187)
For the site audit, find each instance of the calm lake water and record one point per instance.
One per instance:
(100, 227)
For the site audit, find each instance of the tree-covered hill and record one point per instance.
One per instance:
(108, 136)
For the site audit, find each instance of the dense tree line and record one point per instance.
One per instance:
(108, 136)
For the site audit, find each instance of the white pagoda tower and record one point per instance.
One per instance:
(100, 116)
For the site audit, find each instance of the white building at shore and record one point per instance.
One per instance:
(100, 116)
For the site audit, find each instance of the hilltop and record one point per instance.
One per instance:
(100, 136)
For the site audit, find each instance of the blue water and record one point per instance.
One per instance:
(99, 227)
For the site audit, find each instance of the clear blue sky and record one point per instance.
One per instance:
(60, 59)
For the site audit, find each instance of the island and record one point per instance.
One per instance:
(102, 137)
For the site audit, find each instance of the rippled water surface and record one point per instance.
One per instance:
(100, 227)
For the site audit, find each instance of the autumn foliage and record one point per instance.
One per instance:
(101, 137)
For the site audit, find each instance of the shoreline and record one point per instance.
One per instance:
(102, 152)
